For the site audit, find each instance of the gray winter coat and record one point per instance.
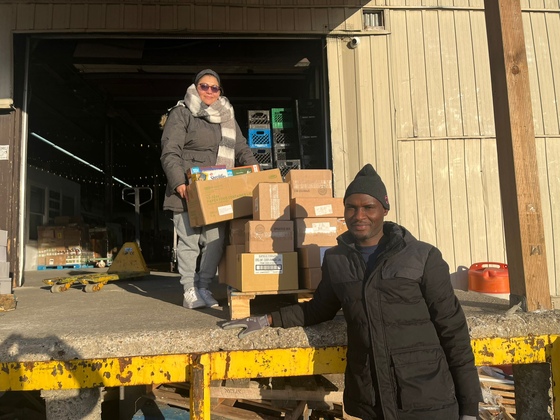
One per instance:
(409, 348)
(188, 141)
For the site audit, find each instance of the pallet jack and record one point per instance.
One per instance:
(129, 263)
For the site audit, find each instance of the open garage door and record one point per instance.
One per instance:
(94, 107)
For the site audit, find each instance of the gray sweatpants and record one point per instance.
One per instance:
(206, 242)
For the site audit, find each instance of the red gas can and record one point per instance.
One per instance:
(489, 278)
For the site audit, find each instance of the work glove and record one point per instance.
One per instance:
(249, 325)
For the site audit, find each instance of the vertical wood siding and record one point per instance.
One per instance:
(447, 177)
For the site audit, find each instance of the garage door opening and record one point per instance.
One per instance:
(94, 106)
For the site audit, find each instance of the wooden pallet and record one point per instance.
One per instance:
(504, 391)
(240, 302)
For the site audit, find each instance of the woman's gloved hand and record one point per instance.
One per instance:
(249, 325)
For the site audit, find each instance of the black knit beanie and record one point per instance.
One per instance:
(211, 73)
(367, 181)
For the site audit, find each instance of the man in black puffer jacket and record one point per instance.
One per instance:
(409, 354)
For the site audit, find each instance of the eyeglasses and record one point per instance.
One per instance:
(206, 86)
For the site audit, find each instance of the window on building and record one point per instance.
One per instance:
(373, 20)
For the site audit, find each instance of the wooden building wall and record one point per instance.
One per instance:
(435, 121)
(414, 100)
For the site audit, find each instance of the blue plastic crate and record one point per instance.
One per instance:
(260, 138)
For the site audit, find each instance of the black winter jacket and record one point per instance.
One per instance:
(408, 340)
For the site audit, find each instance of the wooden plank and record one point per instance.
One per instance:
(383, 106)
(408, 203)
(239, 303)
(450, 70)
(459, 199)
(476, 219)
(434, 77)
(538, 123)
(293, 394)
(468, 86)
(517, 156)
(442, 201)
(549, 170)
(425, 192)
(338, 131)
(417, 69)
(482, 74)
(548, 99)
(401, 75)
(364, 96)
(492, 202)
(234, 413)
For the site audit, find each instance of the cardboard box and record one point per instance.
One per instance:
(341, 226)
(4, 269)
(264, 272)
(230, 263)
(311, 256)
(316, 207)
(5, 286)
(3, 254)
(310, 183)
(310, 277)
(316, 231)
(55, 260)
(236, 231)
(227, 198)
(271, 201)
(269, 236)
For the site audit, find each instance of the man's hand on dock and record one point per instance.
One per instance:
(250, 325)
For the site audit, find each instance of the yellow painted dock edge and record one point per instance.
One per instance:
(200, 369)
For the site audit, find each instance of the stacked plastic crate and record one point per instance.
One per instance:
(260, 138)
(312, 149)
(285, 142)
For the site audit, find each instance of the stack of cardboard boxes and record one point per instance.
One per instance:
(318, 217)
(281, 246)
(65, 243)
(5, 280)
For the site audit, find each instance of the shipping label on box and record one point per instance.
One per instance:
(311, 256)
(316, 207)
(310, 183)
(271, 201)
(269, 236)
(316, 231)
(227, 198)
(265, 272)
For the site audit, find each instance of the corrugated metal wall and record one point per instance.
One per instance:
(415, 101)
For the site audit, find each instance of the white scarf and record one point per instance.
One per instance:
(220, 112)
